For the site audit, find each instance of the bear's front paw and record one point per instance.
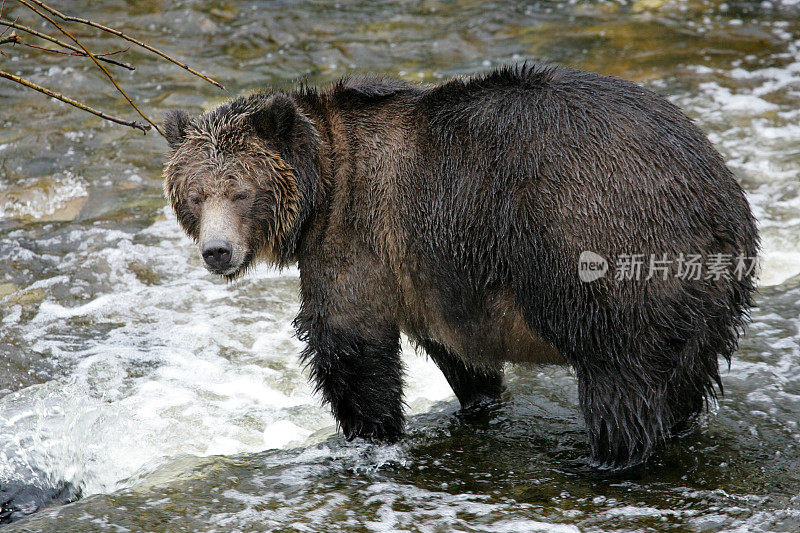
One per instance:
(387, 431)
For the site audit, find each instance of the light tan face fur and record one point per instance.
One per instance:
(220, 221)
(227, 186)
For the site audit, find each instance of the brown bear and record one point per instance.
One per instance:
(463, 214)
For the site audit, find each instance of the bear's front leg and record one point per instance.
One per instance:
(348, 320)
(360, 375)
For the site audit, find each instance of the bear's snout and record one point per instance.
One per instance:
(217, 254)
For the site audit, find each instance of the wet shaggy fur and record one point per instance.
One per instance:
(456, 214)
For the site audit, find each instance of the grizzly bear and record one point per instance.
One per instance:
(461, 214)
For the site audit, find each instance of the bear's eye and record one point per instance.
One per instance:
(195, 199)
(241, 196)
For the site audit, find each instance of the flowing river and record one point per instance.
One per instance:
(155, 397)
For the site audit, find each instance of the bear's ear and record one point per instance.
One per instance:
(176, 122)
(277, 121)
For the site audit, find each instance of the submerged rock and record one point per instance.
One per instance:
(18, 500)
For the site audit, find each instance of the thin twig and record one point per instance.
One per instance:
(62, 44)
(1, 15)
(96, 62)
(70, 101)
(118, 33)
(2, 7)
(79, 54)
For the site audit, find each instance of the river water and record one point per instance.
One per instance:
(162, 399)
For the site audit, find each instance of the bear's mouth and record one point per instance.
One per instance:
(230, 273)
(233, 273)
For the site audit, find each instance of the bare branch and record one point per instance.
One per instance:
(118, 33)
(1, 14)
(77, 51)
(80, 54)
(80, 50)
(70, 101)
(93, 58)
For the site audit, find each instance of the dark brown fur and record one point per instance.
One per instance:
(456, 214)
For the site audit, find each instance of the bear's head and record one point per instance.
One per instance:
(242, 179)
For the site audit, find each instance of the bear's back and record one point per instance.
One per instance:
(593, 162)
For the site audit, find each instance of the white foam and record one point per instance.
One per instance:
(186, 369)
(283, 432)
(731, 102)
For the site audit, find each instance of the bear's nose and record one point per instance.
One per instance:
(217, 254)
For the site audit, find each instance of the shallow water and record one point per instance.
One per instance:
(171, 401)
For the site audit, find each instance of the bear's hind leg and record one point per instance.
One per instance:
(626, 415)
(472, 386)
(622, 418)
(629, 413)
